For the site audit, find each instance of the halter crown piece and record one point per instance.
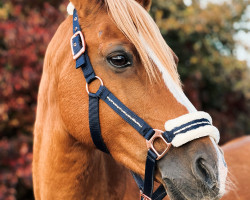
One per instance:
(178, 131)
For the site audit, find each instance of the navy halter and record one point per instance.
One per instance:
(82, 61)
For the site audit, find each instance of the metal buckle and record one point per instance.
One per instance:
(145, 197)
(87, 85)
(82, 50)
(150, 143)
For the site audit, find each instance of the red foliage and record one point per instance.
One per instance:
(24, 37)
(16, 167)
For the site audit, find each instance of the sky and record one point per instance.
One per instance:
(242, 50)
(243, 38)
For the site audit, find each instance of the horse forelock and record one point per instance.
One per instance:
(138, 26)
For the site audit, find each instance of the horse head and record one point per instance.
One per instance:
(132, 59)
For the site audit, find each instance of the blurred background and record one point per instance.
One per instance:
(211, 39)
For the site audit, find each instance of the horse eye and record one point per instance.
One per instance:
(119, 61)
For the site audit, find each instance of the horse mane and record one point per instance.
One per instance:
(138, 26)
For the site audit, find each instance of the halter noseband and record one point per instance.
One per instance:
(178, 131)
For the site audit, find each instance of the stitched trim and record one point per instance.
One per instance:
(206, 123)
(124, 112)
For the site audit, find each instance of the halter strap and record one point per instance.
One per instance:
(174, 134)
(83, 62)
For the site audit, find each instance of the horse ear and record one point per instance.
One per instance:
(145, 3)
(176, 59)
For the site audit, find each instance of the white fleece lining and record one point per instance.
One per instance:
(70, 8)
(170, 124)
(183, 138)
(203, 131)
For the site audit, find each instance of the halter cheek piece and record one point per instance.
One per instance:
(178, 131)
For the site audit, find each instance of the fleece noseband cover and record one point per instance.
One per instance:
(189, 127)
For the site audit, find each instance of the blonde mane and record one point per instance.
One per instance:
(138, 26)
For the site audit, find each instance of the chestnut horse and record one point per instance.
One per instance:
(237, 155)
(128, 52)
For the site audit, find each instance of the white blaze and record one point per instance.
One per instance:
(181, 98)
(222, 168)
(171, 85)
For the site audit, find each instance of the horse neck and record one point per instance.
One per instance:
(63, 167)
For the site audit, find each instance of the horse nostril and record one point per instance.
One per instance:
(205, 173)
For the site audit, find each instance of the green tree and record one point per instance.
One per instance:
(213, 78)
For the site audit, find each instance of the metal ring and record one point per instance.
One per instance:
(87, 85)
(150, 144)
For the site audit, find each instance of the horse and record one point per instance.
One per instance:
(238, 160)
(123, 45)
